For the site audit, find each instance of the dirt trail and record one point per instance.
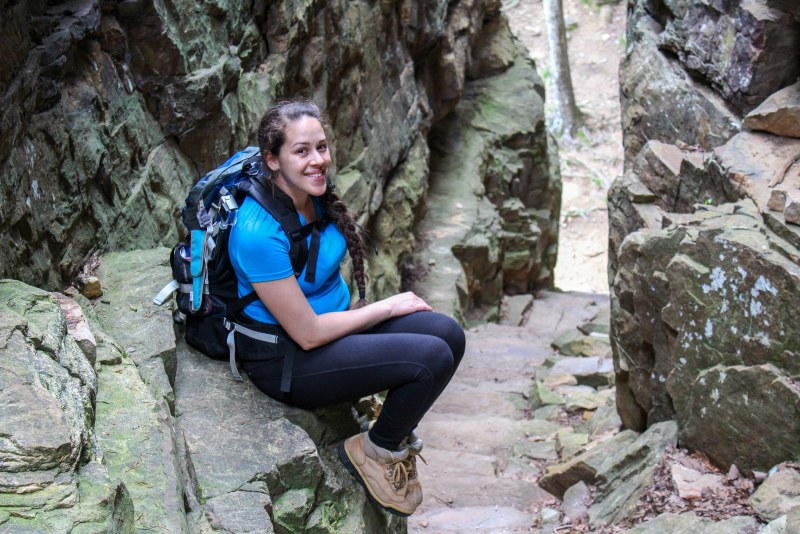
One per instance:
(591, 161)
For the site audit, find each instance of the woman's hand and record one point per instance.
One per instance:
(405, 303)
(288, 304)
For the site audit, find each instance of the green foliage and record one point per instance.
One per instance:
(546, 74)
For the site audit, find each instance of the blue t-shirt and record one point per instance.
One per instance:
(259, 252)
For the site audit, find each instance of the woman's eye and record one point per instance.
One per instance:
(323, 148)
(302, 151)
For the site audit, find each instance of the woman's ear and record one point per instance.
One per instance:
(272, 162)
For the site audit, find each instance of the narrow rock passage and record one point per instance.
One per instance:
(484, 444)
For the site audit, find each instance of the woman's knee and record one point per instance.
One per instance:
(437, 357)
(451, 332)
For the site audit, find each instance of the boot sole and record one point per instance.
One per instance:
(353, 470)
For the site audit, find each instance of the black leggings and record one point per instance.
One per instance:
(413, 356)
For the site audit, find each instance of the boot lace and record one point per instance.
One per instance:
(397, 474)
(410, 465)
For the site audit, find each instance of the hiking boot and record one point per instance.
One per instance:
(414, 445)
(383, 473)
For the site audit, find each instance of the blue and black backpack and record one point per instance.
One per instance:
(208, 303)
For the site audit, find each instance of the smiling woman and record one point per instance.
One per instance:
(327, 351)
(301, 166)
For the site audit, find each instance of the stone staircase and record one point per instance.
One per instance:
(484, 447)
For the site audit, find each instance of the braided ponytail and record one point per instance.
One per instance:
(345, 221)
(271, 136)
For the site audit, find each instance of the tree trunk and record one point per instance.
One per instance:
(568, 116)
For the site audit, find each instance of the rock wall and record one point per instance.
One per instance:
(704, 241)
(110, 435)
(114, 108)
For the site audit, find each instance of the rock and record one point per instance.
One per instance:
(515, 309)
(659, 98)
(95, 92)
(692, 484)
(78, 327)
(778, 494)
(638, 193)
(666, 318)
(627, 472)
(791, 213)
(499, 241)
(89, 286)
(680, 179)
(605, 420)
(574, 343)
(136, 434)
(568, 444)
(793, 521)
(130, 318)
(212, 454)
(696, 212)
(541, 395)
(47, 405)
(291, 509)
(395, 221)
(546, 412)
(576, 503)
(689, 523)
(589, 371)
(578, 398)
(755, 162)
(738, 388)
(548, 516)
(584, 467)
(777, 200)
(241, 511)
(536, 450)
(554, 380)
(779, 114)
(776, 526)
(595, 329)
(745, 57)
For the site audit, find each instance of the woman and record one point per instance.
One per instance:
(397, 344)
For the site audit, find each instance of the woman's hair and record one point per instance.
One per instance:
(271, 136)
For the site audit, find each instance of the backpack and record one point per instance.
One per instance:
(208, 303)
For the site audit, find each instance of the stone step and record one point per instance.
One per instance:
(480, 435)
(473, 519)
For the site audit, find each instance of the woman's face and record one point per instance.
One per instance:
(301, 166)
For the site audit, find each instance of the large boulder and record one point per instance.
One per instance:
(49, 481)
(703, 240)
(703, 325)
(491, 224)
(133, 446)
(660, 100)
(744, 50)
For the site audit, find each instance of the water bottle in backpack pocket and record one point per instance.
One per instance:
(204, 317)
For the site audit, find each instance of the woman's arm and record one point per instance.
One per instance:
(286, 301)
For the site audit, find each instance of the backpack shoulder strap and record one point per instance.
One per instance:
(289, 220)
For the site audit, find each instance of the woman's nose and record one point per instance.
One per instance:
(317, 158)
